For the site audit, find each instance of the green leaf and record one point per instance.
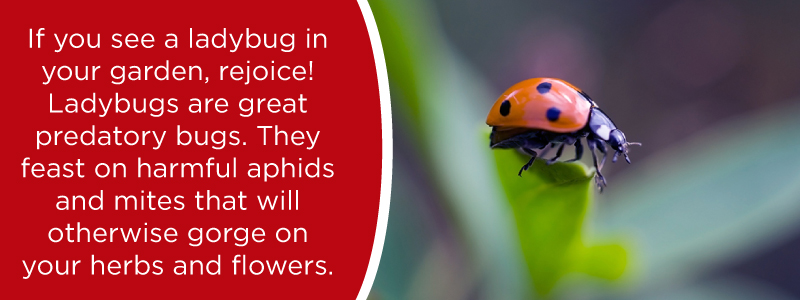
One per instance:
(550, 204)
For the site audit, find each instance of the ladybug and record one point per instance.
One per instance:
(539, 112)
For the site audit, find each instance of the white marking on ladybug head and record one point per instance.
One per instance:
(603, 132)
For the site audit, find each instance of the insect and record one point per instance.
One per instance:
(539, 112)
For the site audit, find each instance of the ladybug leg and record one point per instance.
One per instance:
(530, 162)
(598, 178)
(578, 151)
(602, 147)
(558, 155)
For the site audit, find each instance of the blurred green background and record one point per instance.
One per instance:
(709, 209)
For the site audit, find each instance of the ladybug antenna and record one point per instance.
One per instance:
(625, 147)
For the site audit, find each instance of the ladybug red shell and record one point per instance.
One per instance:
(539, 112)
(542, 103)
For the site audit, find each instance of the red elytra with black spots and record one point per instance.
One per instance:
(546, 113)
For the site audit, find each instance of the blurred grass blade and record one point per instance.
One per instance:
(432, 89)
(723, 194)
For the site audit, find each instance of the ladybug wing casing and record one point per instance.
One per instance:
(541, 103)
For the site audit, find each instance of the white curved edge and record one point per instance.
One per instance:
(386, 164)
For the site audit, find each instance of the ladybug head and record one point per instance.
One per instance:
(617, 141)
(603, 128)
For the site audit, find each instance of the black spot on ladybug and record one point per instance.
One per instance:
(553, 114)
(544, 87)
(505, 108)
